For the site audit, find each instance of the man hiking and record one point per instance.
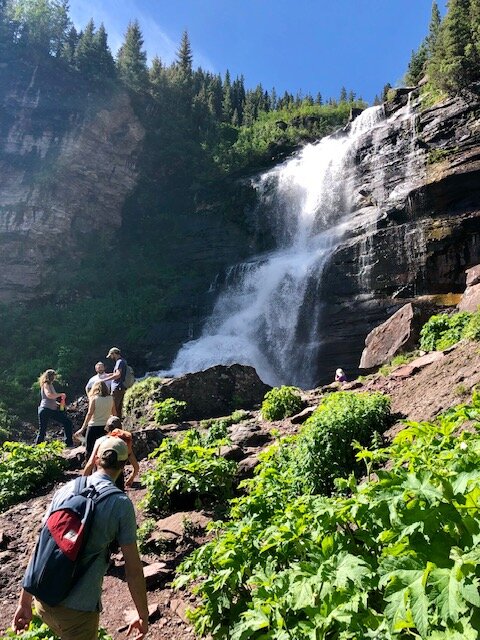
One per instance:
(77, 616)
(117, 379)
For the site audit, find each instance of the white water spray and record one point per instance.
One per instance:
(268, 315)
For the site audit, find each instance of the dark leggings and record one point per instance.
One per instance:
(45, 415)
(93, 434)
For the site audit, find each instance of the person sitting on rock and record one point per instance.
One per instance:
(340, 376)
(113, 428)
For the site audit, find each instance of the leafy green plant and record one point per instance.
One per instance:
(187, 467)
(442, 330)
(26, 468)
(324, 448)
(169, 410)
(38, 630)
(397, 361)
(144, 532)
(140, 393)
(397, 557)
(281, 402)
(472, 329)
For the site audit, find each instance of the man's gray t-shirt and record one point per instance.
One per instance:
(114, 519)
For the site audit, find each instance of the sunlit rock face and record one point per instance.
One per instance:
(68, 159)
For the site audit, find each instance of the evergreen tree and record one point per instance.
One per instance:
(69, 46)
(184, 59)
(85, 51)
(452, 66)
(105, 67)
(433, 30)
(6, 32)
(343, 95)
(227, 102)
(42, 25)
(319, 99)
(132, 59)
(416, 66)
(385, 90)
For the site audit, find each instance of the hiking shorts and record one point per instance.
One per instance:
(69, 624)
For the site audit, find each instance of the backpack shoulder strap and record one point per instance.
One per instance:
(80, 484)
(104, 492)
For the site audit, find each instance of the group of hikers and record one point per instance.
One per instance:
(75, 616)
(104, 390)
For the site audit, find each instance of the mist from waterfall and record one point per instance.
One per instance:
(269, 313)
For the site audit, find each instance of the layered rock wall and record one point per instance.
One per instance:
(68, 159)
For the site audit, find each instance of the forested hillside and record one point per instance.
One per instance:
(137, 272)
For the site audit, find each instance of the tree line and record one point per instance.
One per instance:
(40, 28)
(449, 56)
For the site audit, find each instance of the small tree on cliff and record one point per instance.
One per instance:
(132, 59)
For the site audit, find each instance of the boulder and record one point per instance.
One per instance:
(398, 334)
(249, 435)
(471, 299)
(145, 441)
(215, 392)
(473, 276)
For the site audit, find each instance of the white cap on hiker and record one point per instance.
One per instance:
(113, 444)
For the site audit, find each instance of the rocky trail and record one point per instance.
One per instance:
(419, 391)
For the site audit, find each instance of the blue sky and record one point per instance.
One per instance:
(308, 45)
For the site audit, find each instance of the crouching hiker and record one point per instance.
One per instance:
(67, 590)
(114, 428)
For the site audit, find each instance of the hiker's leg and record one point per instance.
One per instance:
(69, 624)
(64, 420)
(43, 418)
(118, 400)
(93, 433)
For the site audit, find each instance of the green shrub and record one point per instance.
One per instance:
(281, 402)
(325, 445)
(395, 558)
(169, 410)
(443, 331)
(190, 466)
(472, 329)
(28, 468)
(139, 394)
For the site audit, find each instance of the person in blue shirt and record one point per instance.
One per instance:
(117, 379)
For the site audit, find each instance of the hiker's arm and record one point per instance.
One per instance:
(49, 391)
(23, 613)
(136, 468)
(88, 468)
(88, 417)
(136, 585)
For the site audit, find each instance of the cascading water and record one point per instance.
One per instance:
(268, 314)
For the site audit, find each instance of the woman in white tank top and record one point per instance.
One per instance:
(100, 408)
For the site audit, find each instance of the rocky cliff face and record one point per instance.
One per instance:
(68, 159)
(418, 184)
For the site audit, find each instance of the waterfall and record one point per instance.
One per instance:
(269, 313)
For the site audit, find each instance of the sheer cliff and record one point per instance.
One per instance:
(68, 159)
